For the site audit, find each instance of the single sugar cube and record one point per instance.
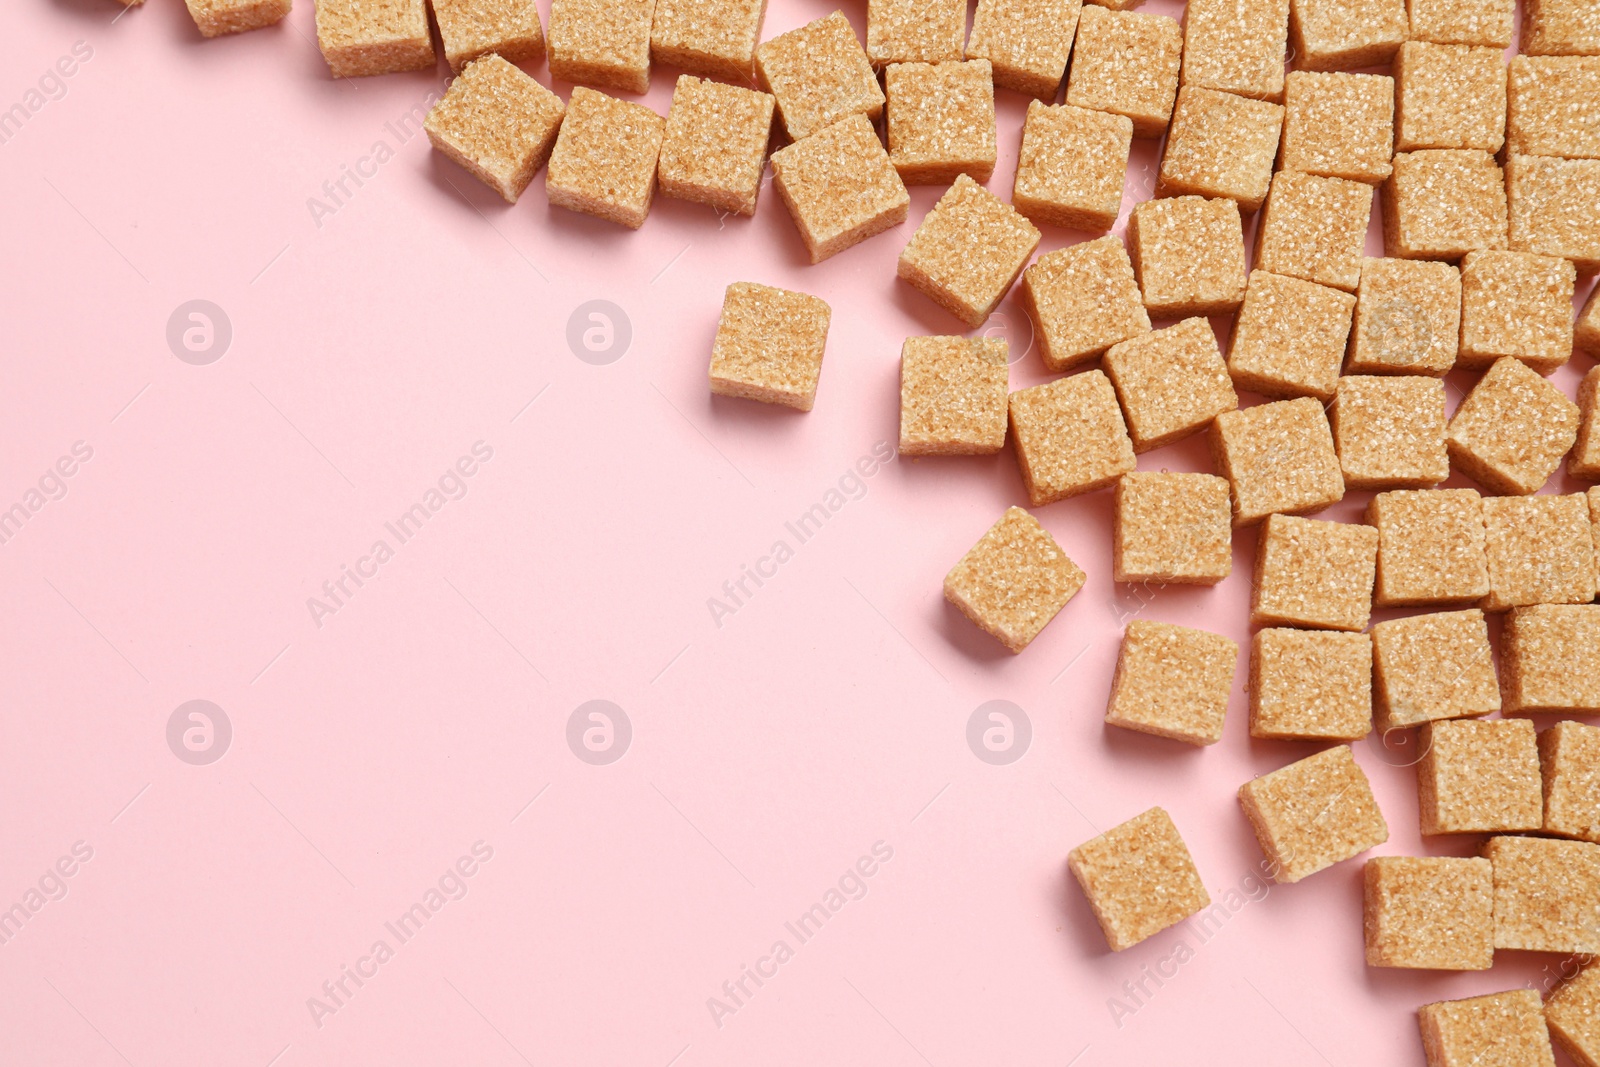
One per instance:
(1586, 333)
(1014, 580)
(214, 18)
(1555, 208)
(1430, 547)
(953, 393)
(1480, 777)
(1278, 457)
(498, 123)
(1339, 125)
(1484, 23)
(769, 345)
(604, 160)
(840, 187)
(1552, 659)
(1546, 895)
(1220, 145)
(1289, 337)
(1512, 430)
(1083, 299)
(1573, 1015)
(472, 28)
(1554, 106)
(602, 43)
(1443, 203)
(1315, 228)
(1433, 913)
(1072, 165)
(360, 38)
(968, 251)
(1389, 431)
(1560, 28)
(1235, 46)
(1188, 254)
(1310, 685)
(1584, 462)
(915, 31)
(1126, 63)
(1172, 682)
(1312, 814)
(819, 75)
(1569, 759)
(1171, 382)
(714, 149)
(1449, 96)
(1314, 574)
(1139, 879)
(1537, 552)
(1171, 529)
(941, 121)
(1502, 1028)
(713, 38)
(1408, 318)
(1069, 437)
(1428, 667)
(1516, 304)
(1342, 34)
(1028, 42)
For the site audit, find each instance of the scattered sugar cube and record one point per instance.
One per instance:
(1171, 382)
(1546, 895)
(968, 251)
(1236, 46)
(1014, 580)
(1430, 547)
(1573, 1015)
(1171, 529)
(941, 121)
(1310, 685)
(1028, 42)
(1339, 125)
(1278, 457)
(713, 38)
(1480, 777)
(1428, 667)
(1313, 574)
(604, 160)
(1315, 228)
(1126, 64)
(1435, 913)
(1560, 28)
(1072, 165)
(1408, 318)
(1139, 879)
(953, 393)
(1584, 462)
(1289, 337)
(1586, 333)
(1069, 437)
(214, 18)
(1484, 23)
(1188, 254)
(498, 123)
(360, 38)
(1551, 654)
(1504, 1029)
(819, 75)
(1449, 96)
(840, 187)
(1220, 145)
(1512, 430)
(1172, 682)
(602, 43)
(1442, 204)
(1569, 757)
(1342, 34)
(1389, 431)
(472, 28)
(1312, 814)
(1083, 299)
(915, 31)
(1537, 552)
(1554, 106)
(769, 345)
(714, 149)
(1516, 304)
(1555, 208)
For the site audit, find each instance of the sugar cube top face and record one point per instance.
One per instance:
(1289, 338)
(498, 123)
(472, 28)
(1171, 382)
(953, 396)
(968, 251)
(714, 38)
(915, 31)
(1188, 254)
(1315, 228)
(1238, 48)
(1339, 125)
(1449, 96)
(1344, 34)
(1312, 814)
(1408, 318)
(1484, 23)
(359, 38)
(1546, 895)
(715, 146)
(1443, 203)
(1310, 685)
(1551, 654)
(1014, 580)
(1126, 63)
(604, 43)
(1139, 879)
(819, 75)
(1512, 430)
(1536, 551)
(1560, 28)
(1573, 1014)
(1554, 106)
(1314, 574)
(1569, 756)
(604, 160)
(1172, 529)
(1028, 42)
(1083, 299)
(769, 345)
(941, 121)
(840, 187)
(217, 18)
(1389, 431)
(1220, 145)
(1584, 461)
(1430, 547)
(1435, 913)
(1480, 777)
(1172, 681)
(1505, 1028)
(1072, 166)
(1555, 208)
(1278, 457)
(1516, 304)
(1429, 667)
(1069, 437)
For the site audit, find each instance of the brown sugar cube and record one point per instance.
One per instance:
(1069, 436)
(1573, 1015)
(604, 160)
(1083, 299)
(1512, 430)
(602, 43)
(1312, 814)
(1071, 167)
(1313, 574)
(819, 74)
(715, 147)
(915, 31)
(1278, 457)
(1554, 106)
(1516, 304)
(968, 251)
(1483, 23)
(1408, 318)
(953, 396)
(1310, 685)
(1172, 383)
(472, 28)
(1289, 337)
(1014, 580)
(1555, 208)
(1343, 34)
(1429, 667)
(1584, 462)
(1171, 529)
(1505, 1029)
(714, 38)
(1442, 204)
(1339, 125)
(1188, 254)
(941, 121)
(1172, 682)
(214, 18)
(360, 38)
(1480, 777)
(1389, 431)
(1315, 228)
(1434, 914)
(1126, 64)
(1236, 47)
(1569, 759)
(1551, 654)
(1546, 895)
(1028, 42)
(840, 187)
(769, 345)
(1586, 333)
(1220, 145)
(498, 123)
(1536, 551)
(1560, 28)
(1449, 96)
(1430, 547)
(1139, 879)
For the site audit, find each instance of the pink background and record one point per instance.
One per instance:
(369, 754)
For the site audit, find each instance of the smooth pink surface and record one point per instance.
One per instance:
(370, 753)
